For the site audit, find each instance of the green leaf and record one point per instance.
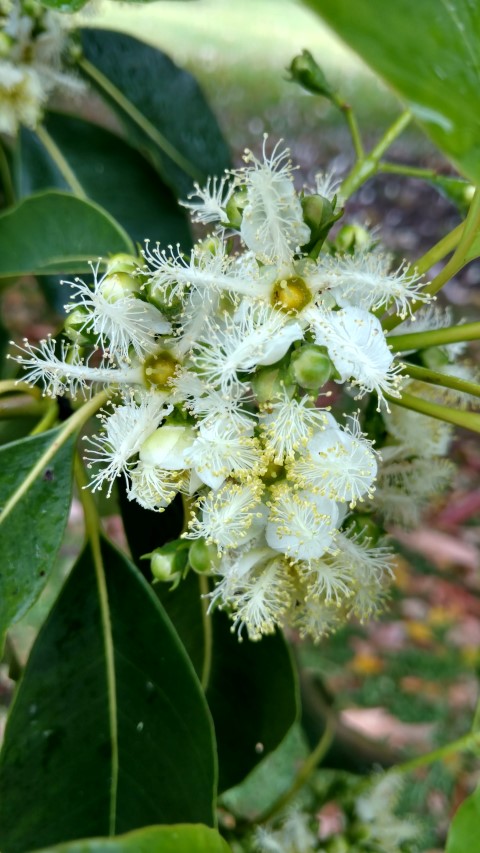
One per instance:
(33, 518)
(430, 53)
(463, 833)
(55, 232)
(153, 839)
(253, 684)
(64, 5)
(110, 172)
(109, 730)
(161, 106)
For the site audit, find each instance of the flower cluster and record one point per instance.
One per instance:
(32, 42)
(218, 364)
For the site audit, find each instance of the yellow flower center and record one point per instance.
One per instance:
(159, 369)
(291, 294)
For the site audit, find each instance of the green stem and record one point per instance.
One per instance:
(434, 377)
(467, 742)
(148, 128)
(468, 420)
(470, 229)
(92, 526)
(435, 337)
(6, 177)
(408, 171)
(351, 120)
(71, 426)
(207, 633)
(48, 419)
(303, 774)
(437, 253)
(368, 165)
(62, 164)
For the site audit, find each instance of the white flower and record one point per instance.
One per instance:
(120, 322)
(339, 464)
(220, 451)
(301, 525)
(311, 617)
(357, 347)
(332, 581)
(167, 447)
(416, 434)
(272, 224)
(22, 97)
(227, 516)
(154, 487)
(256, 336)
(404, 487)
(363, 280)
(328, 185)
(289, 424)
(212, 272)
(208, 405)
(213, 199)
(67, 371)
(124, 431)
(261, 598)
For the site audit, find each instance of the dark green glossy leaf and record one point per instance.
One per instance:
(161, 106)
(430, 53)
(55, 232)
(153, 839)
(109, 730)
(253, 684)
(463, 836)
(33, 518)
(110, 172)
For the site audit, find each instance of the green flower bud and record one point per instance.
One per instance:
(202, 557)
(119, 284)
(122, 263)
(235, 206)
(308, 74)
(434, 357)
(319, 214)
(310, 367)
(270, 383)
(168, 562)
(74, 327)
(166, 446)
(351, 238)
(168, 307)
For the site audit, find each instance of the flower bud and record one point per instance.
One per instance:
(166, 447)
(118, 285)
(352, 238)
(168, 562)
(75, 327)
(202, 557)
(308, 74)
(310, 367)
(235, 206)
(319, 214)
(122, 263)
(270, 383)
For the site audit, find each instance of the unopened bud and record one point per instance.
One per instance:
(309, 75)
(118, 285)
(352, 238)
(270, 383)
(168, 562)
(166, 447)
(76, 327)
(235, 206)
(310, 367)
(122, 263)
(203, 557)
(319, 214)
